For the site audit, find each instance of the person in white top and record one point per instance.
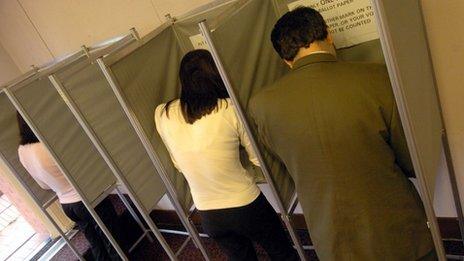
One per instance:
(203, 135)
(42, 167)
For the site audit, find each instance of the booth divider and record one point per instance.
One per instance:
(413, 84)
(112, 165)
(8, 146)
(41, 200)
(155, 159)
(85, 200)
(241, 115)
(91, 197)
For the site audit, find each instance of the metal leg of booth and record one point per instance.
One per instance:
(241, 115)
(153, 157)
(145, 231)
(63, 169)
(109, 161)
(134, 215)
(42, 208)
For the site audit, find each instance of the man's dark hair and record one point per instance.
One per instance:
(26, 135)
(201, 86)
(296, 29)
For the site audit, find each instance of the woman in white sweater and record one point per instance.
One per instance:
(203, 135)
(42, 167)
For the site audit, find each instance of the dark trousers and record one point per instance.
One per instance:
(99, 244)
(234, 229)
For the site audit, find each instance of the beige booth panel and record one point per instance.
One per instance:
(416, 94)
(252, 64)
(147, 77)
(66, 139)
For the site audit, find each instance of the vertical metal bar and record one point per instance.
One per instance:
(109, 161)
(65, 172)
(454, 183)
(241, 115)
(44, 210)
(395, 78)
(133, 213)
(294, 203)
(153, 157)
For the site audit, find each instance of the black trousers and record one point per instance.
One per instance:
(100, 246)
(234, 229)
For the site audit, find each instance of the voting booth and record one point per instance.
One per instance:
(95, 111)
(353, 25)
(9, 143)
(45, 106)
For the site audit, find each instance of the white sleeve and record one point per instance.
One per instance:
(158, 116)
(41, 183)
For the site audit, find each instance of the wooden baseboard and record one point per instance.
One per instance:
(449, 227)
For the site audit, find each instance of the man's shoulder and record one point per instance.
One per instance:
(268, 93)
(363, 67)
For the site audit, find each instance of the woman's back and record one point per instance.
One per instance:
(37, 161)
(207, 153)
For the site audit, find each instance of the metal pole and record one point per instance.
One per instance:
(37, 201)
(454, 184)
(85, 201)
(153, 157)
(109, 161)
(241, 115)
(133, 213)
(392, 65)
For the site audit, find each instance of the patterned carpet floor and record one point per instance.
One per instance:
(147, 250)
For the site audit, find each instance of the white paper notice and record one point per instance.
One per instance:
(350, 22)
(199, 42)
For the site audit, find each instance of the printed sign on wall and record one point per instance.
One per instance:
(350, 22)
(199, 42)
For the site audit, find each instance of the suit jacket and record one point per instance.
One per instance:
(335, 127)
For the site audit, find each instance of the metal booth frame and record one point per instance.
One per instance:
(71, 104)
(48, 71)
(104, 63)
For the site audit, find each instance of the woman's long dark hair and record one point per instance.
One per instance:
(201, 86)
(25, 133)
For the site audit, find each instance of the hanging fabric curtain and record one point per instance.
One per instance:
(89, 89)
(248, 57)
(65, 137)
(147, 75)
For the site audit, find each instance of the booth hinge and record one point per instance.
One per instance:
(170, 18)
(134, 33)
(86, 50)
(34, 68)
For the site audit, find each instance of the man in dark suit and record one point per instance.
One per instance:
(336, 128)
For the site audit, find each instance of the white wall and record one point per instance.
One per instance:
(36, 31)
(8, 69)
